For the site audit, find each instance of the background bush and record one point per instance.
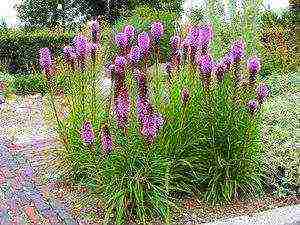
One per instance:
(20, 46)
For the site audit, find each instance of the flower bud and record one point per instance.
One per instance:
(262, 92)
(253, 106)
(129, 31)
(238, 50)
(185, 96)
(144, 42)
(157, 30)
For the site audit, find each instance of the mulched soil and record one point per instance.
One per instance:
(196, 212)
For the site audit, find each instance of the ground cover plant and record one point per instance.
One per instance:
(189, 125)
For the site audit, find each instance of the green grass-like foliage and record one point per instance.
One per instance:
(209, 146)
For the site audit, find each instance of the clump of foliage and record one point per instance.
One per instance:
(28, 84)
(183, 123)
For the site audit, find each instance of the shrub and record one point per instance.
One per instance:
(192, 127)
(21, 45)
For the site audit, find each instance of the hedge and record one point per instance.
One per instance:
(20, 46)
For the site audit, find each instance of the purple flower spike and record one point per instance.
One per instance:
(185, 96)
(151, 125)
(205, 63)
(254, 65)
(95, 30)
(205, 36)
(135, 54)
(106, 140)
(192, 37)
(81, 46)
(157, 30)
(45, 59)
(69, 54)
(238, 50)
(253, 106)
(129, 31)
(87, 133)
(227, 61)
(122, 107)
(121, 40)
(150, 121)
(262, 92)
(144, 42)
(120, 61)
(175, 42)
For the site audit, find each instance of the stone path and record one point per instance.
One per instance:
(289, 215)
(30, 192)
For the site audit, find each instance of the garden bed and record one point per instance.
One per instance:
(82, 207)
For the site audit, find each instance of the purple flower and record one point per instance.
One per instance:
(262, 92)
(69, 54)
(192, 37)
(227, 61)
(129, 31)
(106, 140)
(120, 61)
(135, 54)
(95, 30)
(254, 65)
(151, 125)
(157, 30)
(121, 40)
(81, 46)
(45, 58)
(185, 95)
(150, 121)
(87, 133)
(252, 105)
(122, 106)
(205, 63)
(144, 42)
(205, 36)
(175, 42)
(238, 50)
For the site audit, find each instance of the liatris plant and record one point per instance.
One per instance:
(194, 131)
